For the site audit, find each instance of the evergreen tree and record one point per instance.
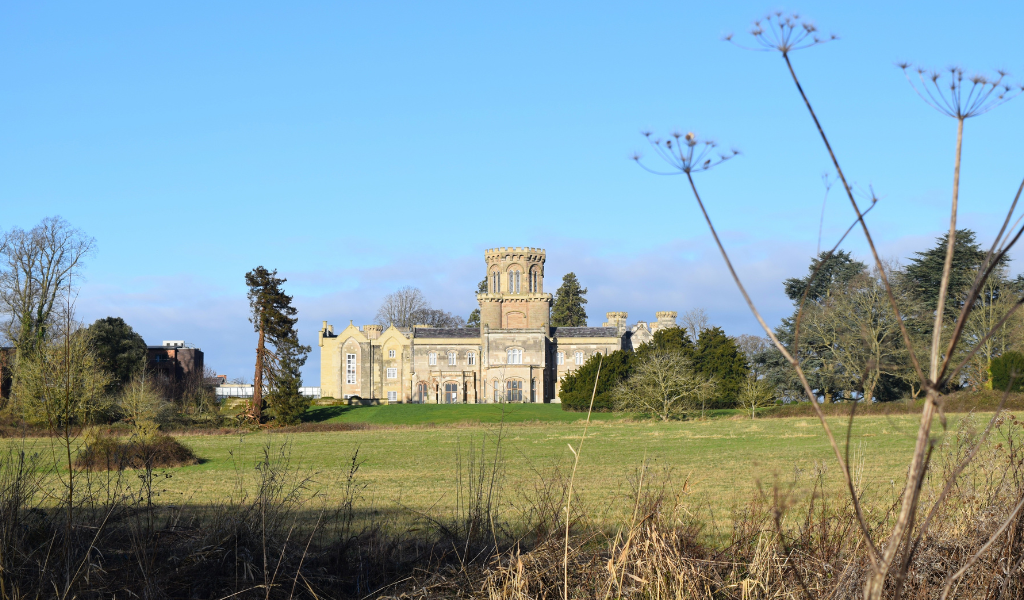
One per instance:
(671, 340)
(924, 272)
(118, 349)
(568, 310)
(273, 318)
(717, 356)
(836, 268)
(578, 385)
(474, 317)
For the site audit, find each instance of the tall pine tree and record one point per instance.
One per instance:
(278, 370)
(924, 272)
(568, 310)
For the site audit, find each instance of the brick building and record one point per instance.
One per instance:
(515, 355)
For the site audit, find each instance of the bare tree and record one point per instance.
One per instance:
(435, 317)
(38, 268)
(400, 308)
(664, 384)
(695, 321)
(756, 393)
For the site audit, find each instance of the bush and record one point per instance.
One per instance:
(1008, 366)
(110, 453)
(578, 385)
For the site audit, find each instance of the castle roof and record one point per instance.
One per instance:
(446, 332)
(584, 332)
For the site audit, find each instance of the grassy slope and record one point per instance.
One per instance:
(440, 414)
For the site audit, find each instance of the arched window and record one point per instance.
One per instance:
(534, 288)
(432, 358)
(495, 282)
(497, 391)
(451, 392)
(578, 356)
(421, 392)
(517, 281)
(471, 358)
(515, 356)
(514, 390)
(452, 357)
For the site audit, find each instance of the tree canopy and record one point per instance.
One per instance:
(118, 349)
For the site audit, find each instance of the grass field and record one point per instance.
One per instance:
(721, 461)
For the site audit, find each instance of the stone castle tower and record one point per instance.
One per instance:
(515, 297)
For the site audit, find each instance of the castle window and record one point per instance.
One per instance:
(560, 358)
(471, 358)
(511, 282)
(392, 397)
(452, 358)
(392, 373)
(495, 282)
(515, 356)
(517, 282)
(421, 392)
(391, 353)
(579, 358)
(514, 390)
(533, 390)
(432, 358)
(350, 368)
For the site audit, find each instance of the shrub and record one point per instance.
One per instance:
(578, 385)
(110, 453)
(1008, 366)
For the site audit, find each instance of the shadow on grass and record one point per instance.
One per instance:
(319, 414)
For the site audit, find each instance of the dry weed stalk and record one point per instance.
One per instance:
(785, 34)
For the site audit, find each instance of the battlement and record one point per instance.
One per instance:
(534, 253)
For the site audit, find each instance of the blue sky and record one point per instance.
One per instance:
(360, 147)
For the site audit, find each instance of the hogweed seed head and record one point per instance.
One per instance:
(689, 155)
(784, 33)
(957, 96)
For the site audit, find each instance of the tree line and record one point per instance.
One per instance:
(56, 371)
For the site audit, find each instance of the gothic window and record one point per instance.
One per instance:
(515, 356)
(432, 358)
(471, 358)
(421, 392)
(560, 358)
(391, 353)
(534, 281)
(533, 390)
(350, 368)
(517, 281)
(452, 358)
(514, 390)
(511, 282)
(451, 392)
(392, 373)
(495, 282)
(578, 357)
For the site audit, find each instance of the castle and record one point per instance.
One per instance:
(514, 356)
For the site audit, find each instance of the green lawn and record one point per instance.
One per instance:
(444, 414)
(719, 461)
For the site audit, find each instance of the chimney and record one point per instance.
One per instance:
(372, 332)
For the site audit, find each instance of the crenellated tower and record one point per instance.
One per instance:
(515, 297)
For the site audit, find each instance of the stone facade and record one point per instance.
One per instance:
(514, 356)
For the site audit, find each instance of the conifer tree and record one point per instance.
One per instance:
(568, 310)
(474, 317)
(273, 318)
